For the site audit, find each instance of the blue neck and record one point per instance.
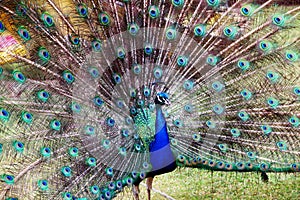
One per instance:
(161, 155)
(161, 133)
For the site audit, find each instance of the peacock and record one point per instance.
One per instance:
(98, 95)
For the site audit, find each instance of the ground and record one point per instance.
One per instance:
(195, 184)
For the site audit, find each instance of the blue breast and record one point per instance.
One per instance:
(161, 156)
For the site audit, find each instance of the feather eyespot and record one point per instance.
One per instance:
(44, 54)
(154, 12)
(23, 33)
(213, 3)
(247, 10)
(104, 19)
(133, 29)
(2, 27)
(171, 33)
(19, 76)
(82, 10)
(21, 10)
(96, 45)
(47, 19)
(4, 114)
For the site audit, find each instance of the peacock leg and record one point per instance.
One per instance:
(136, 191)
(264, 177)
(149, 186)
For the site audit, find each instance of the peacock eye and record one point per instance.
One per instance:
(137, 69)
(91, 162)
(212, 60)
(296, 90)
(171, 33)
(119, 184)
(104, 19)
(4, 113)
(68, 77)
(94, 72)
(272, 102)
(98, 101)
(47, 19)
(154, 11)
(133, 29)
(110, 122)
(44, 54)
(8, 179)
(74, 40)
(73, 151)
(148, 49)
(178, 3)
(43, 185)
(217, 86)
(200, 30)
(125, 132)
(279, 20)
(265, 46)
(18, 146)
(213, 3)
(243, 64)
(140, 103)
(95, 189)
(45, 152)
(235, 132)
(247, 10)
(19, 76)
(55, 125)
(272, 76)
(117, 78)
(178, 123)
(142, 175)
(188, 85)
(291, 55)
(27, 117)
(82, 10)
(23, 33)
(263, 166)
(294, 167)
(96, 45)
(227, 31)
(196, 137)
(89, 130)
(218, 109)
(66, 171)
(21, 10)
(157, 72)
(120, 51)
(2, 27)
(189, 108)
(244, 115)
(231, 32)
(182, 61)
(43, 95)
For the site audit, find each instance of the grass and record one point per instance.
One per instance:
(195, 184)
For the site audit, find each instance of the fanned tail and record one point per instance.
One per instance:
(78, 81)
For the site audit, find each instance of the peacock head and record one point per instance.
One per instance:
(162, 98)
